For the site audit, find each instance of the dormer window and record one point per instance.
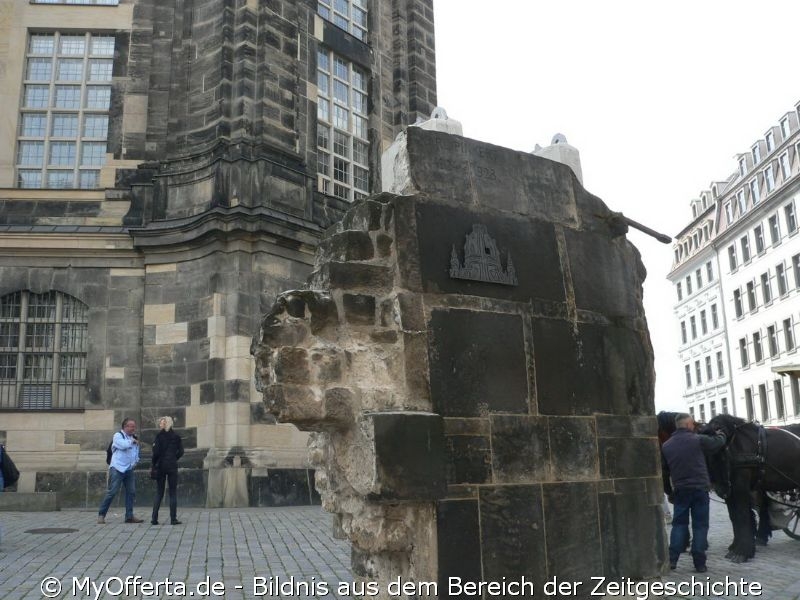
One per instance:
(770, 139)
(785, 128)
(729, 212)
(694, 210)
(769, 179)
(741, 202)
(756, 154)
(742, 166)
(713, 195)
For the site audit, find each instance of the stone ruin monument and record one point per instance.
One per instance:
(472, 353)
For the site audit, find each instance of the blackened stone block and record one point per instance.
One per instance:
(607, 274)
(601, 369)
(495, 178)
(628, 457)
(349, 245)
(531, 244)
(353, 276)
(471, 374)
(211, 392)
(409, 455)
(259, 414)
(196, 372)
(573, 448)
(512, 533)
(281, 487)
(291, 366)
(71, 487)
(198, 329)
(468, 459)
(520, 449)
(88, 440)
(359, 309)
(572, 529)
(633, 534)
(459, 542)
(96, 488)
(365, 216)
(412, 316)
(454, 426)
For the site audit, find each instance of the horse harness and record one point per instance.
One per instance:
(758, 460)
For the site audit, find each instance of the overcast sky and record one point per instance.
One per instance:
(657, 97)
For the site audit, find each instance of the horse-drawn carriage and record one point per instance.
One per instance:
(759, 469)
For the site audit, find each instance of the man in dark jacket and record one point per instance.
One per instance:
(683, 457)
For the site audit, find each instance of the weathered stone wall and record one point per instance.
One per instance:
(532, 402)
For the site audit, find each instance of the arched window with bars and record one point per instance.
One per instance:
(44, 340)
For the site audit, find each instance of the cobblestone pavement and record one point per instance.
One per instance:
(231, 547)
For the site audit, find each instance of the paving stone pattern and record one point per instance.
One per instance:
(235, 545)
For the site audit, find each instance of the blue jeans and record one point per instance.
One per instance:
(115, 480)
(696, 502)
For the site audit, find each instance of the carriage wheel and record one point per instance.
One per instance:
(792, 528)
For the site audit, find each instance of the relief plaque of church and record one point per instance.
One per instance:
(481, 260)
(482, 420)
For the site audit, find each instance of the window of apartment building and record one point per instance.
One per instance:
(43, 344)
(786, 167)
(679, 288)
(709, 272)
(758, 353)
(791, 218)
(720, 366)
(693, 326)
(702, 413)
(780, 276)
(691, 411)
(756, 151)
(349, 15)
(788, 334)
(740, 201)
(755, 194)
(713, 406)
(777, 388)
(785, 131)
(766, 288)
(748, 403)
(751, 296)
(743, 352)
(683, 331)
(688, 372)
(64, 117)
(688, 285)
(794, 384)
(724, 406)
(774, 230)
(737, 303)
(758, 234)
(709, 374)
(703, 322)
(728, 212)
(342, 146)
(769, 179)
(698, 275)
(796, 270)
(714, 317)
(770, 140)
(772, 340)
(742, 166)
(764, 401)
(744, 242)
(732, 257)
(697, 372)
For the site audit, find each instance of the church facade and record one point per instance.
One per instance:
(167, 169)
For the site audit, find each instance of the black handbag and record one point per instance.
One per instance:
(10, 471)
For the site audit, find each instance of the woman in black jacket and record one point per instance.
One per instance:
(167, 449)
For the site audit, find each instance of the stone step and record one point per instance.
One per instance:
(29, 501)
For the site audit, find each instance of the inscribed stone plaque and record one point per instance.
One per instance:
(477, 363)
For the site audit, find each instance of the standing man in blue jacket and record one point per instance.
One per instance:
(683, 458)
(125, 455)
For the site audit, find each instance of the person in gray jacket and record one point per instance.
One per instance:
(684, 460)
